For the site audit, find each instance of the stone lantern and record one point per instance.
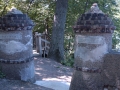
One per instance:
(93, 52)
(16, 57)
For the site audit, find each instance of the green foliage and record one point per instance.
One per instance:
(116, 40)
(78, 7)
(69, 51)
(2, 75)
(42, 11)
(69, 59)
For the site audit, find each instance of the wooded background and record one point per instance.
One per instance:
(58, 17)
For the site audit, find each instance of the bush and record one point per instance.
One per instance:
(69, 52)
(2, 75)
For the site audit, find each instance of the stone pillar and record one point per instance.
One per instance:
(93, 40)
(16, 57)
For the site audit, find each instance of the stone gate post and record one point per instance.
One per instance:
(16, 57)
(93, 40)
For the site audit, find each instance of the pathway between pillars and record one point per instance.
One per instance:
(51, 74)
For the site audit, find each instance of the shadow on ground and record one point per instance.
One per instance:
(19, 85)
(47, 69)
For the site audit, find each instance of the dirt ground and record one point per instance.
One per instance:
(45, 69)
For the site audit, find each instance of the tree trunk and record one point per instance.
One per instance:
(57, 41)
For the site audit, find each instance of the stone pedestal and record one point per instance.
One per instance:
(93, 45)
(16, 57)
(89, 51)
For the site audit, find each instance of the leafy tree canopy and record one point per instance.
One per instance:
(42, 11)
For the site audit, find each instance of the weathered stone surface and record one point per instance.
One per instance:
(111, 69)
(12, 49)
(89, 51)
(19, 85)
(18, 21)
(93, 41)
(86, 81)
(96, 65)
(94, 21)
(109, 76)
(24, 71)
(16, 57)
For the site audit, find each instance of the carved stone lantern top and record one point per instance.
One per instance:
(94, 9)
(94, 21)
(15, 20)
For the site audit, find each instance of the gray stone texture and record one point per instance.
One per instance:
(88, 57)
(24, 71)
(16, 45)
(107, 36)
(86, 81)
(96, 65)
(22, 48)
(109, 76)
(111, 70)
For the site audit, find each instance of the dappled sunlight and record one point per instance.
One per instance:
(65, 78)
(54, 84)
(59, 78)
(16, 87)
(6, 84)
(47, 69)
(52, 74)
(35, 58)
(35, 53)
(38, 68)
(38, 73)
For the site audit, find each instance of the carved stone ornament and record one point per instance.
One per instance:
(94, 21)
(15, 20)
